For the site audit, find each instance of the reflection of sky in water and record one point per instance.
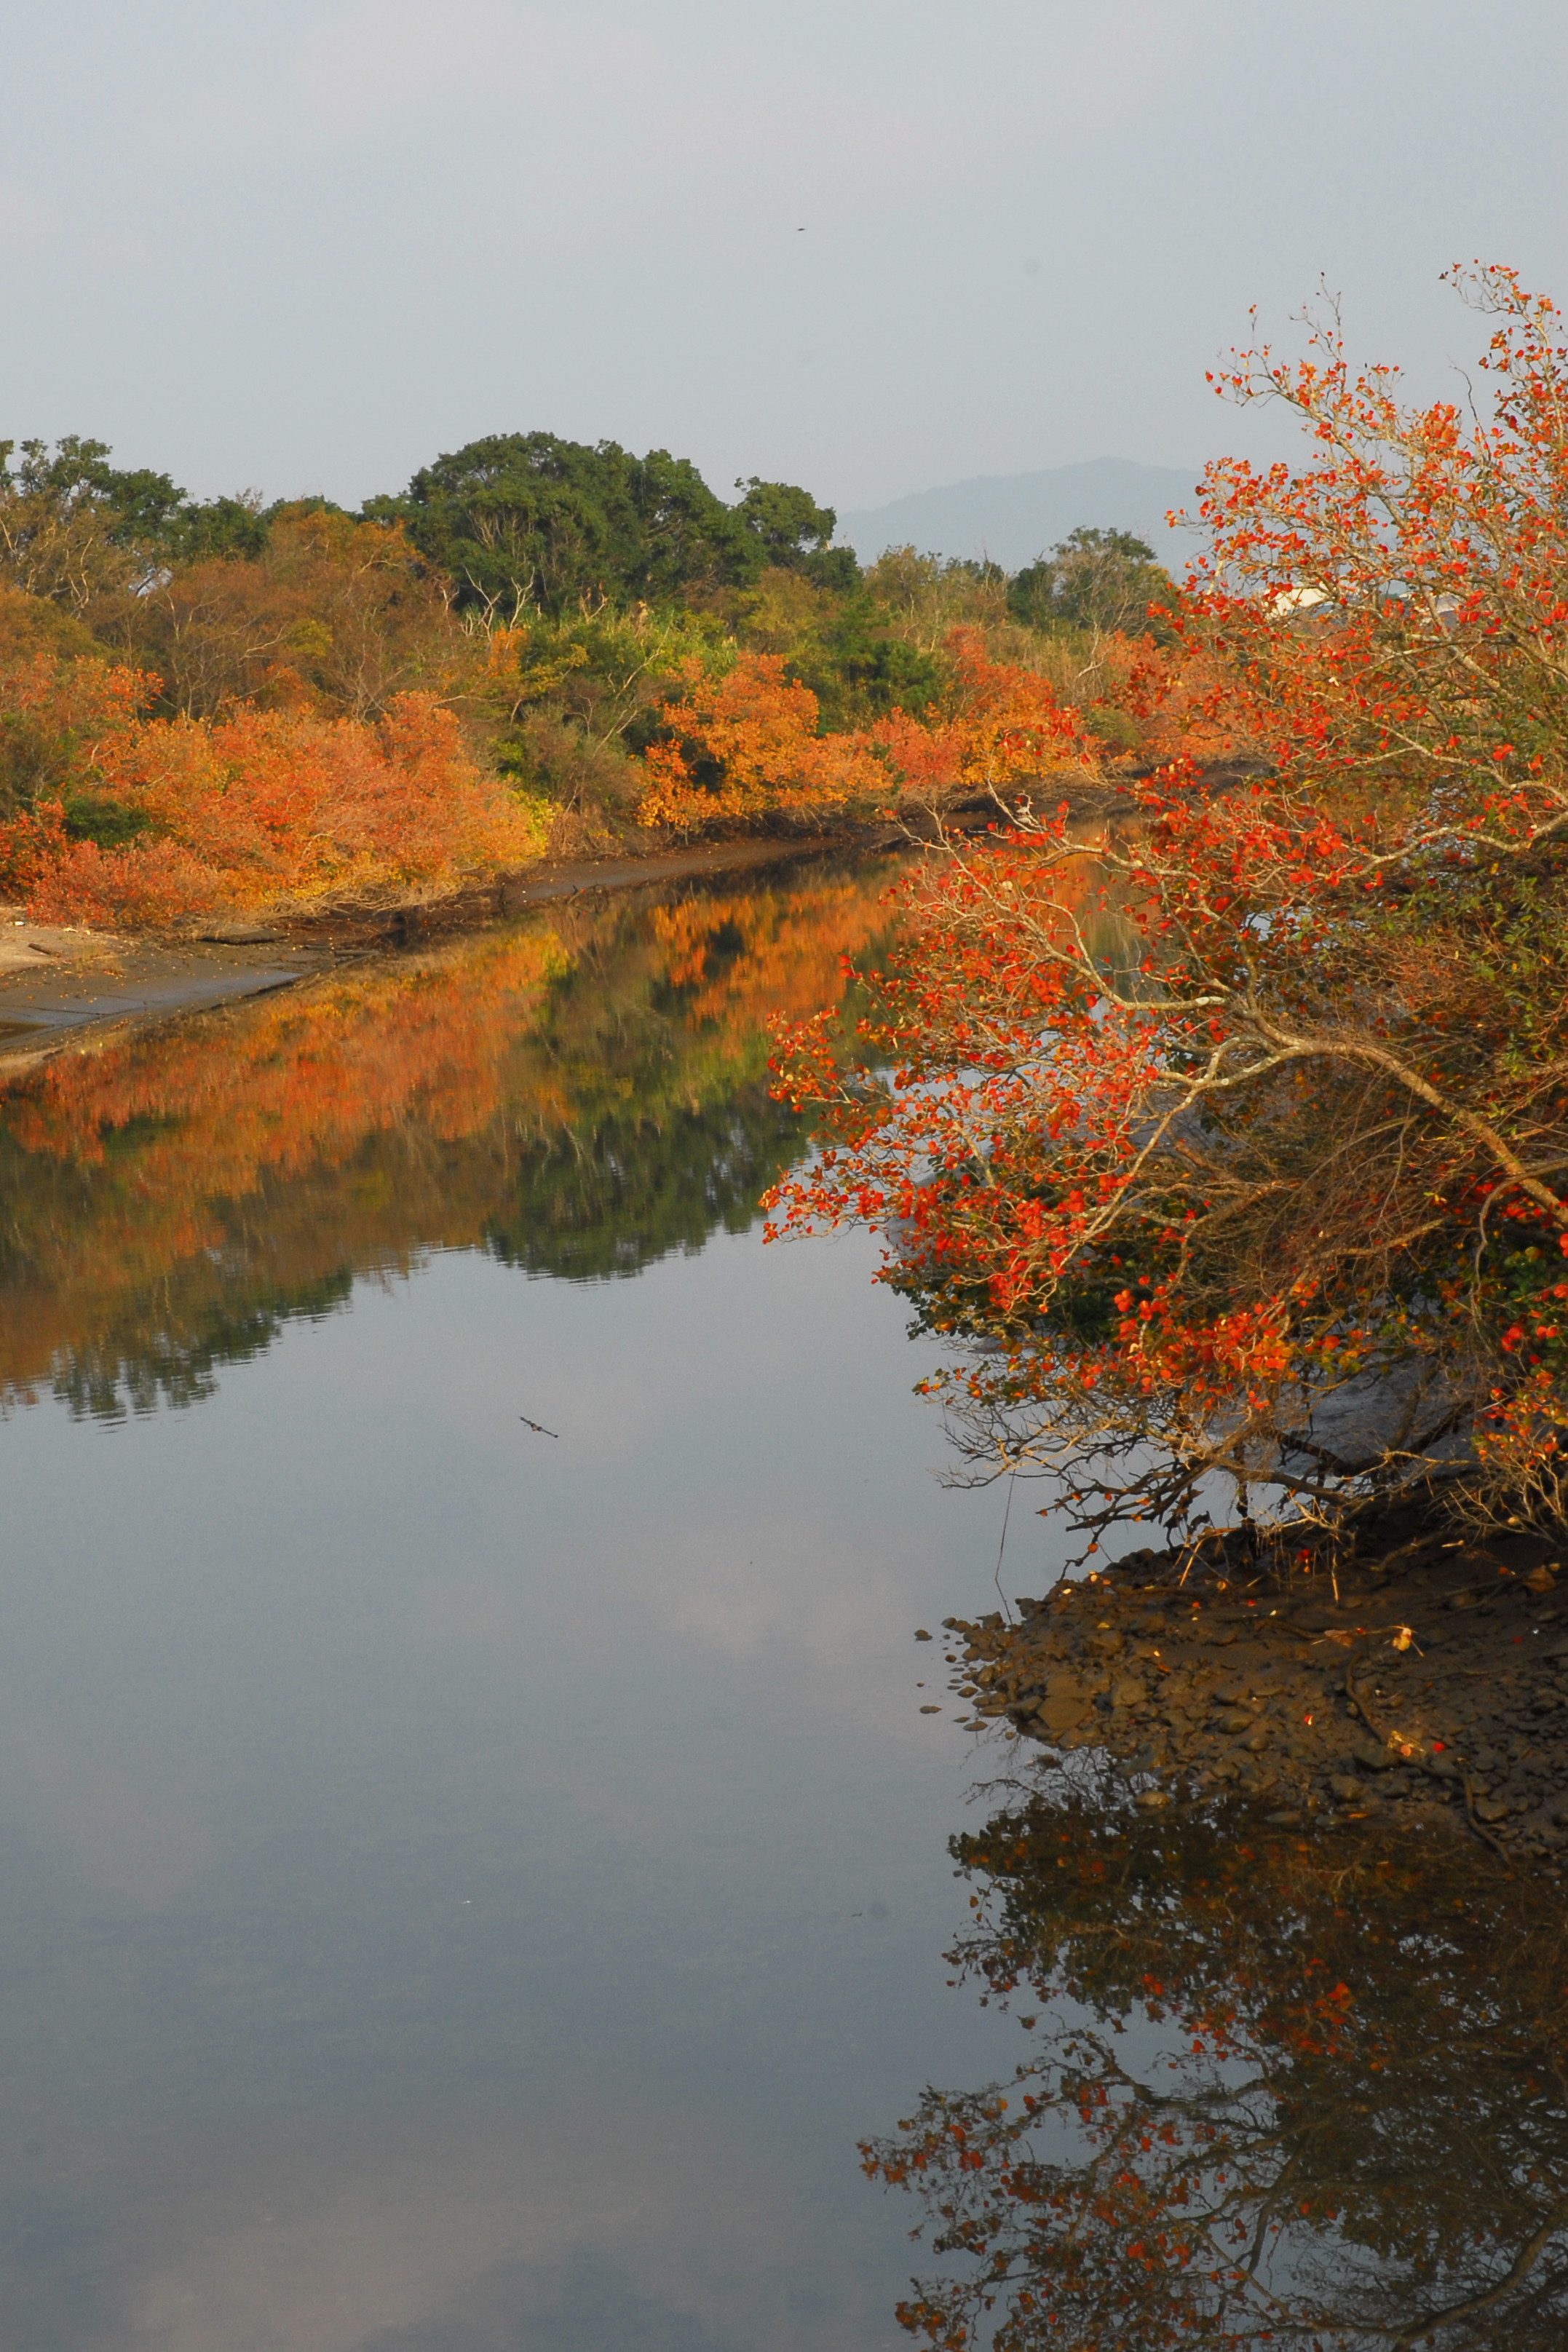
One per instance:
(446, 1867)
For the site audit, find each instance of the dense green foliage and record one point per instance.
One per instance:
(139, 512)
(527, 519)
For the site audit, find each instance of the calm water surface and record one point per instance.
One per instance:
(470, 1890)
(463, 1887)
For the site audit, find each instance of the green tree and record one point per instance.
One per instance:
(61, 534)
(795, 533)
(1094, 580)
(78, 530)
(527, 519)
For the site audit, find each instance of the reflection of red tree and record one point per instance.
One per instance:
(358, 1119)
(1332, 2125)
(788, 960)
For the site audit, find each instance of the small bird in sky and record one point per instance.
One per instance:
(539, 1425)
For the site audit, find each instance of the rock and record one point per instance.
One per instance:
(1152, 1799)
(244, 935)
(1374, 1755)
(1345, 1787)
(1064, 1707)
(1492, 1808)
(1130, 1692)
(1256, 1740)
(1237, 1718)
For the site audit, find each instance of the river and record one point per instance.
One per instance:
(466, 1886)
(476, 1816)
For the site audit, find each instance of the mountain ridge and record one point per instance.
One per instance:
(1013, 518)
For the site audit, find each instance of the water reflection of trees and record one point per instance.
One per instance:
(628, 1191)
(579, 1094)
(1276, 2091)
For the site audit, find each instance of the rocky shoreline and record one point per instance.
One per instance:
(1423, 1678)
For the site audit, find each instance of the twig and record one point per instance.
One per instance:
(1484, 1835)
(1002, 1547)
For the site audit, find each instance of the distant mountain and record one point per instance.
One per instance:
(1013, 518)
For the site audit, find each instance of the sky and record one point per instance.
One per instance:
(868, 246)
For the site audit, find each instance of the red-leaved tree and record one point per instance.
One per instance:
(1231, 1145)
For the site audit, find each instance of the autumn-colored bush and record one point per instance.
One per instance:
(163, 818)
(744, 742)
(57, 711)
(998, 725)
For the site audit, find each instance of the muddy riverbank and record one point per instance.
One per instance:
(1426, 1678)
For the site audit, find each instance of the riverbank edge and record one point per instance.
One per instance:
(1423, 1680)
(193, 967)
(101, 987)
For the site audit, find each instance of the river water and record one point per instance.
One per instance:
(471, 1885)
(463, 1886)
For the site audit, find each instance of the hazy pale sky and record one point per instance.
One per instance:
(864, 245)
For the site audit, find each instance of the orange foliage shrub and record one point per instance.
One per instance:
(333, 615)
(56, 718)
(83, 703)
(256, 806)
(1003, 724)
(747, 742)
